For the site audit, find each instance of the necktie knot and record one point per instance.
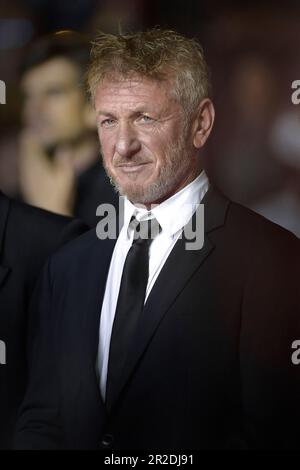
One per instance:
(145, 230)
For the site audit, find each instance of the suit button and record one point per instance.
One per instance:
(107, 441)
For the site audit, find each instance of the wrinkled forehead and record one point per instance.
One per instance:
(134, 88)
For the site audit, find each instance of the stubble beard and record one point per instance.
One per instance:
(177, 167)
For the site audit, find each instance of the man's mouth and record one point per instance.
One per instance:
(131, 167)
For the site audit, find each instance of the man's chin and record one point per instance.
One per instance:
(137, 190)
(142, 193)
(135, 193)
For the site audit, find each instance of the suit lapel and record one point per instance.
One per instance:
(4, 210)
(175, 274)
(96, 281)
(90, 291)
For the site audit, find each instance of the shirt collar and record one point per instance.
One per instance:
(173, 213)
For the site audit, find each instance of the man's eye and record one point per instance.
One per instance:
(107, 122)
(146, 118)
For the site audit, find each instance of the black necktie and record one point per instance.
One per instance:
(130, 300)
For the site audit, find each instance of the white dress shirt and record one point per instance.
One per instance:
(172, 215)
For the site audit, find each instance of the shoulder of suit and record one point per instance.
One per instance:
(243, 230)
(21, 212)
(82, 246)
(253, 226)
(30, 225)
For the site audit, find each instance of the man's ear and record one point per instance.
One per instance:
(203, 122)
(90, 116)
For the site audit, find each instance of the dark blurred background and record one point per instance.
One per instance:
(253, 50)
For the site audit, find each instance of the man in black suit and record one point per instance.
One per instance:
(154, 341)
(27, 237)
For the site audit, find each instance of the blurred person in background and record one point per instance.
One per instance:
(28, 236)
(244, 164)
(60, 167)
(283, 206)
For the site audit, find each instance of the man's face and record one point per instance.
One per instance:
(146, 150)
(54, 104)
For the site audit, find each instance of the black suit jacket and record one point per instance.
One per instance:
(27, 236)
(210, 366)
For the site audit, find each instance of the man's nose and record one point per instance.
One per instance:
(127, 143)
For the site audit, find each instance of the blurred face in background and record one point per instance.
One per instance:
(55, 108)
